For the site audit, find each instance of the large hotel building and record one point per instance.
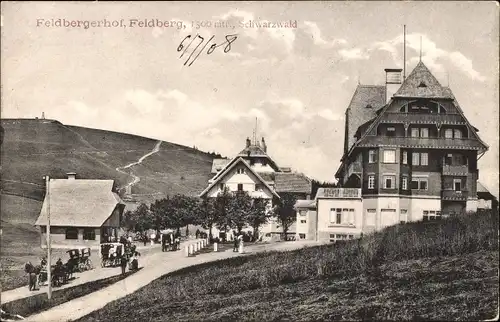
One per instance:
(410, 154)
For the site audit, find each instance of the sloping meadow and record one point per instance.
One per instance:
(398, 273)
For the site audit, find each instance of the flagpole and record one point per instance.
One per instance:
(47, 233)
(404, 52)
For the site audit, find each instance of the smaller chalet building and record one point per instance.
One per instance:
(255, 172)
(83, 213)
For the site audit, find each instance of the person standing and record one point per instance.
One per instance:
(235, 245)
(123, 264)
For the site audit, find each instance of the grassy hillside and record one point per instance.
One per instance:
(33, 148)
(445, 270)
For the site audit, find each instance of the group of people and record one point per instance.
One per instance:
(238, 243)
(130, 256)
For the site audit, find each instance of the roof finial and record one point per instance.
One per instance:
(420, 48)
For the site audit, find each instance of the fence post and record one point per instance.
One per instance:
(187, 251)
(191, 249)
(215, 247)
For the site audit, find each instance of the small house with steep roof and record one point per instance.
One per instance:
(83, 213)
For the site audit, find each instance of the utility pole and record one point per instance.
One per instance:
(47, 232)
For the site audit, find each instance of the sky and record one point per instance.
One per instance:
(297, 79)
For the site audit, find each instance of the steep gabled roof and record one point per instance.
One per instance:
(444, 92)
(253, 151)
(80, 203)
(292, 182)
(229, 167)
(362, 107)
(421, 83)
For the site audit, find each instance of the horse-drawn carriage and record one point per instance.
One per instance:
(168, 241)
(79, 260)
(111, 254)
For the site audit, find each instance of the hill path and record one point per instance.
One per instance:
(137, 178)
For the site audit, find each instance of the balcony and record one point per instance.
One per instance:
(455, 170)
(340, 193)
(354, 167)
(453, 195)
(420, 118)
(418, 143)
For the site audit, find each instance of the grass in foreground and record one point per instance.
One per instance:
(444, 270)
(38, 303)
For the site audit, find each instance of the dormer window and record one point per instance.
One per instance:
(422, 84)
(369, 106)
(391, 131)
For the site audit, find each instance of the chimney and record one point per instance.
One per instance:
(248, 142)
(264, 146)
(71, 175)
(392, 82)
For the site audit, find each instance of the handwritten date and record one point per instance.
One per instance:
(200, 41)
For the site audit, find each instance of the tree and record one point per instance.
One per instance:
(221, 207)
(140, 219)
(239, 207)
(258, 215)
(208, 216)
(285, 211)
(315, 185)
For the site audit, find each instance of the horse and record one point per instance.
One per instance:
(30, 269)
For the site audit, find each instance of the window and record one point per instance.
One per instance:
(258, 187)
(240, 171)
(420, 158)
(405, 157)
(448, 133)
(302, 236)
(424, 158)
(415, 158)
(457, 185)
(389, 182)
(302, 221)
(338, 219)
(391, 131)
(389, 156)
(429, 215)
(372, 156)
(419, 183)
(302, 213)
(240, 186)
(221, 187)
(424, 132)
(448, 159)
(404, 183)
(414, 132)
(71, 233)
(264, 163)
(371, 182)
(403, 216)
(458, 134)
(338, 237)
(88, 234)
